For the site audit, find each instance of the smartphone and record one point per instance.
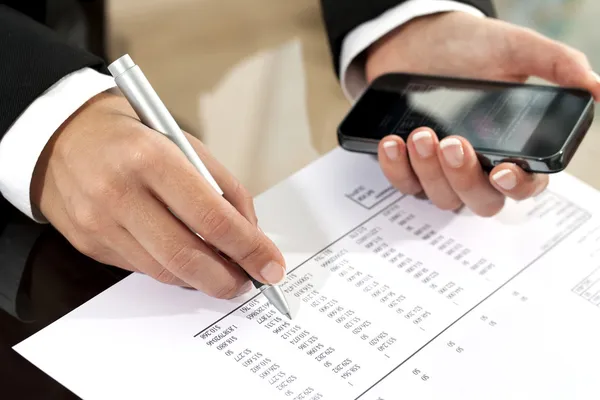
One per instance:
(537, 127)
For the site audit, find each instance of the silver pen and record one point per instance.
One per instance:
(153, 113)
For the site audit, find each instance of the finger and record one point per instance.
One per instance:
(233, 190)
(516, 183)
(174, 180)
(122, 243)
(179, 251)
(422, 150)
(396, 167)
(467, 178)
(535, 54)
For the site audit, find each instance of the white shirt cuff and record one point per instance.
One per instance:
(23, 143)
(352, 70)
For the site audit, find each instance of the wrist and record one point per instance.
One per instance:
(398, 50)
(59, 145)
(24, 141)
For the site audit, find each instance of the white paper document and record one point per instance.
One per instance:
(391, 297)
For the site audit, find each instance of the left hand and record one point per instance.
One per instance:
(459, 44)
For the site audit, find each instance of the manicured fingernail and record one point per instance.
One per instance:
(423, 143)
(246, 287)
(391, 149)
(453, 152)
(273, 273)
(506, 179)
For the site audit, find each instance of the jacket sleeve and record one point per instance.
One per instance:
(33, 59)
(342, 16)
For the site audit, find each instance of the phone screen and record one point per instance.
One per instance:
(495, 117)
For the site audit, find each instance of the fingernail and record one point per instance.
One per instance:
(246, 287)
(506, 179)
(391, 149)
(453, 152)
(597, 77)
(423, 143)
(273, 273)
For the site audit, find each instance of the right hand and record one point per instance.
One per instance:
(458, 44)
(105, 181)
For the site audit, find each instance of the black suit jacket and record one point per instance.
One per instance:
(33, 58)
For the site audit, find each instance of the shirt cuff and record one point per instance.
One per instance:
(352, 68)
(23, 143)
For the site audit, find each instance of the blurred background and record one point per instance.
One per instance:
(253, 78)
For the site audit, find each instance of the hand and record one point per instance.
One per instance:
(462, 45)
(105, 181)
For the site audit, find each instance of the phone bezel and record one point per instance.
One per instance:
(489, 158)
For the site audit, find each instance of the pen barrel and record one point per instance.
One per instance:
(152, 112)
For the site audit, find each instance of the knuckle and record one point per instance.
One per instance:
(107, 190)
(216, 223)
(241, 192)
(165, 277)
(100, 188)
(87, 218)
(224, 290)
(183, 261)
(143, 153)
(255, 249)
(85, 247)
(244, 195)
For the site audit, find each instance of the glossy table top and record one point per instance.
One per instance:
(57, 280)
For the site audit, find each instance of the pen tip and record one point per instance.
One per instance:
(288, 315)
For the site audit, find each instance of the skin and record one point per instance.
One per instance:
(459, 44)
(107, 182)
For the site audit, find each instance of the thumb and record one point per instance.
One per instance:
(533, 54)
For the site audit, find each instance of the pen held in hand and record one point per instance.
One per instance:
(273, 293)
(153, 113)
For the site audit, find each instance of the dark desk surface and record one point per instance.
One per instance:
(57, 280)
